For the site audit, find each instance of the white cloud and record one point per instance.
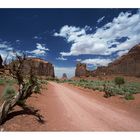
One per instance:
(40, 50)
(61, 58)
(78, 60)
(3, 45)
(18, 41)
(37, 37)
(41, 47)
(100, 19)
(6, 50)
(99, 43)
(70, 71)
(97, 61)
(70, 32)
(122, 53)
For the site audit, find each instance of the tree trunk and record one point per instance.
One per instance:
(7, 105)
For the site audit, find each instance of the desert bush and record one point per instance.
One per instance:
(119, 81)
(109, 87)
(8, 93)
(10, 81)
(109, 91)
(26, 86)
(37, 89)
(44, 82)
(2, 81)
(129, 96)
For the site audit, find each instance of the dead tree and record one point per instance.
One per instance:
(26, 86)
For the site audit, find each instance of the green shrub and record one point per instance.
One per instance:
(37, 89)
(129, 96)
(8, 93)
(119, 81)
(110, 88)
(109, 91)
(2, 82)
(10, 82)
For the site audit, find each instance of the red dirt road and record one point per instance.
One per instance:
(67, 108)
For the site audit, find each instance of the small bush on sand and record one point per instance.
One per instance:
(129, 96)
(119, 81)
(2, 82)
(37, 89)
(8, 93)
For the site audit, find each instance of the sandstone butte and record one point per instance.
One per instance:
(40, 66)
(127, 65)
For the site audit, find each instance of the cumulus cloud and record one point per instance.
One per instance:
(126, 25)
(122, 53)
(97, 61)
(70, 71)
(37, 37)
(40, 50)
(41, 47)
(61, 58)
(7, 50)
(70, 32)
(78, 60)
(100, 19)
(3, 46)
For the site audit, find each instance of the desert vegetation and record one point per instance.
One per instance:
(118, 86)
(18, 87)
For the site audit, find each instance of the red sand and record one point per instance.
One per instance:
(68, 108)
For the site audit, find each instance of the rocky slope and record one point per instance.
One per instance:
(127, 65)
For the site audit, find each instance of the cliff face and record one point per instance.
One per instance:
(128, 65)
(41, 67)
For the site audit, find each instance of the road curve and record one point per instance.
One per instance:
(69, 110)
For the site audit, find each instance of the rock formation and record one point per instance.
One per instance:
(127, 65)
(81, 71)
(64, 76)
(41, 67)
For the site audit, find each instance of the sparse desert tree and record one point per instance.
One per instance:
(119, 81)
(25, 86)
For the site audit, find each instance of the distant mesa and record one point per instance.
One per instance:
(64, 76)
(41, 67)
(127, 65)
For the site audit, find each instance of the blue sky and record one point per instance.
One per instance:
(64, 36)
